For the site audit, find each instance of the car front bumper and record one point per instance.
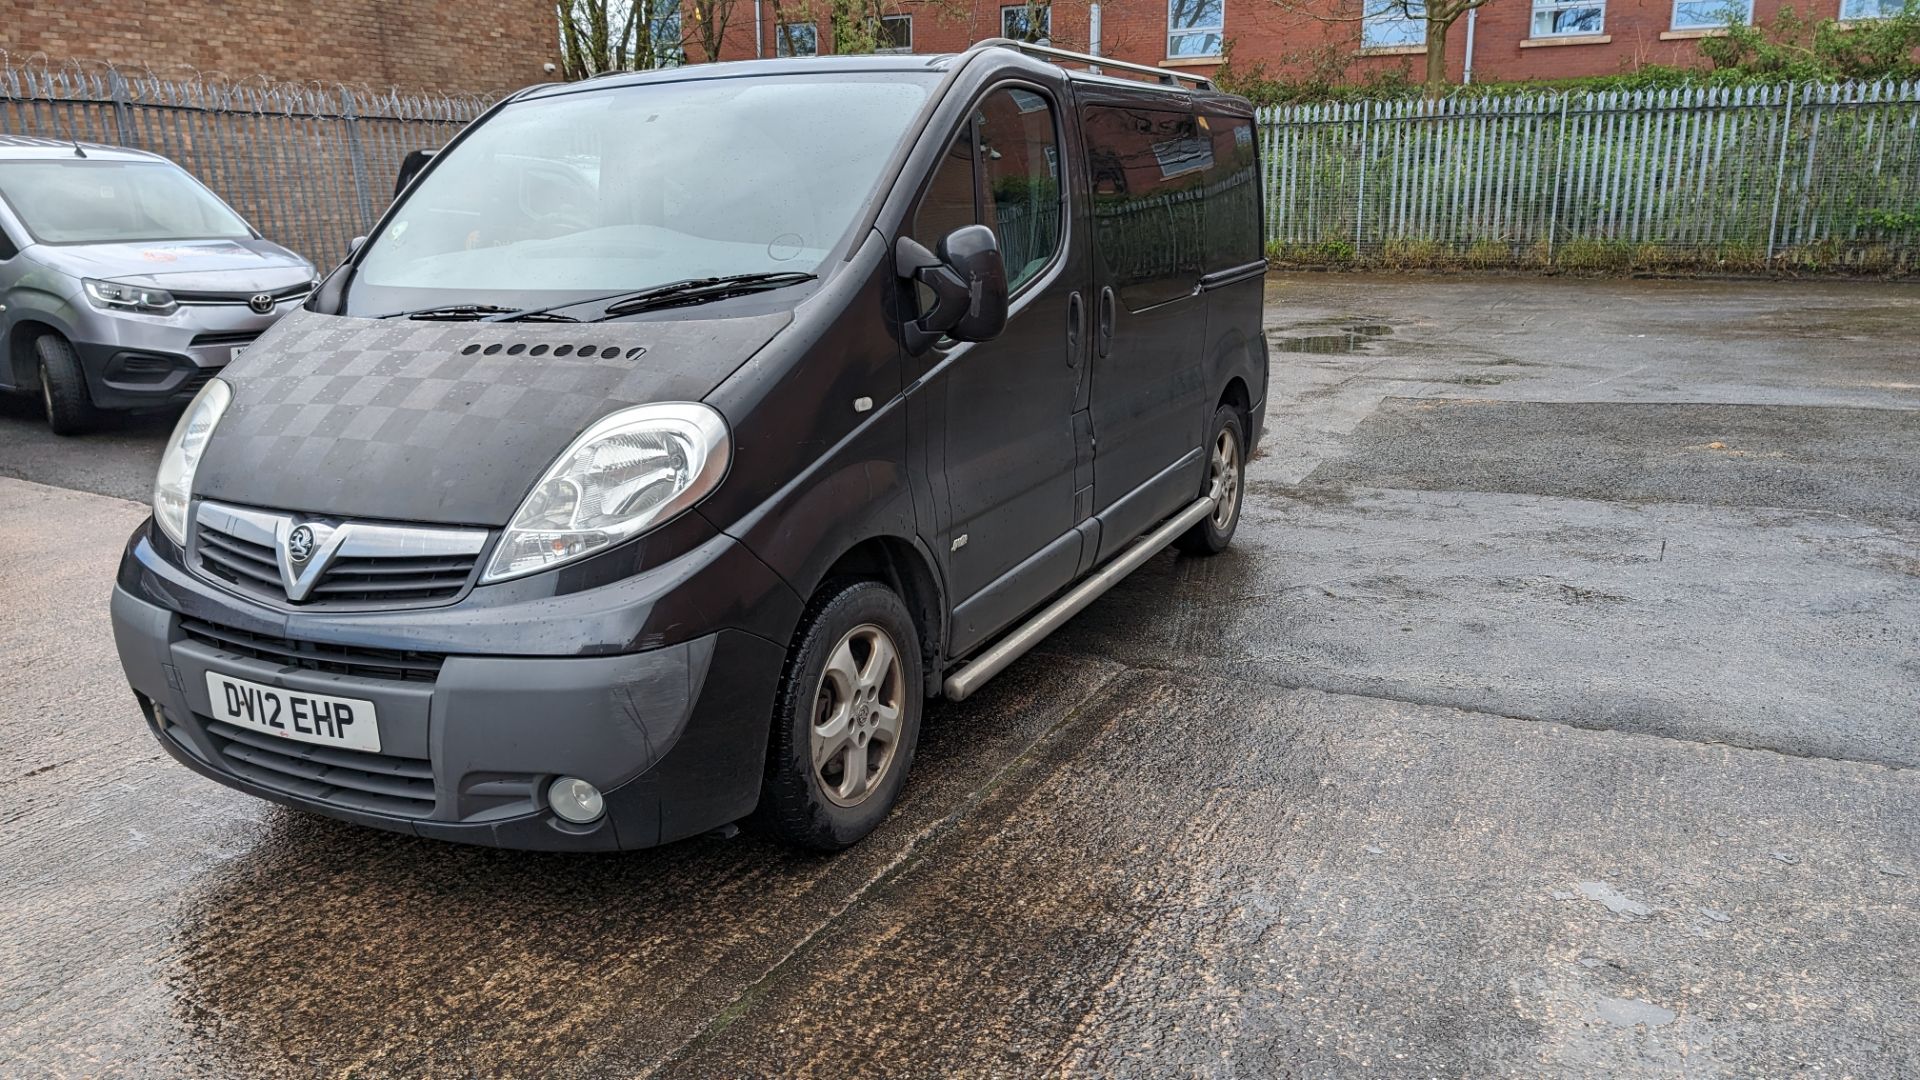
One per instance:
(674, 736)
(136, 362)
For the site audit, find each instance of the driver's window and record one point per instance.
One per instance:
(1015, 192)
(1021, 163)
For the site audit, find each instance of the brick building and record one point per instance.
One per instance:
(1512, 39)
(450, 46)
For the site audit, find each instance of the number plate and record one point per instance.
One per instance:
(322, 719)
(234, 353)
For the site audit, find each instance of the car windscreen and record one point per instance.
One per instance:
(604, 190)
(95, 201)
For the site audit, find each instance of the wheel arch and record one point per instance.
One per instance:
(23, 364)
(902, 564)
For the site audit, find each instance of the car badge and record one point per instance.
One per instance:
(300, 544)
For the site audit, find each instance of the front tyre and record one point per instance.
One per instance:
(1226, 482)
(845, 720)
(63, 387)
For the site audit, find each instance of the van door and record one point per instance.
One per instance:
(1009, 447)
(1146, 169)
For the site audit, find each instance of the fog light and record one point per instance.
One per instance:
(576, 800)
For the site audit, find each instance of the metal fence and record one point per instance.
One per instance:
(1748, 178)
(310, 166)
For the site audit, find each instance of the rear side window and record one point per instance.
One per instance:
(1002, 171)
(1232, 194)
(1149, 170)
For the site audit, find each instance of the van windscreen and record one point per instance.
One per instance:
(603, 190)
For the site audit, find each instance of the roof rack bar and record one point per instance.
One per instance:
(1048, 52)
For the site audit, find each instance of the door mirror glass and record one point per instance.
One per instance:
(410, 167)
(966, 282)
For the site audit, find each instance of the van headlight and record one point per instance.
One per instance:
(113, 296)
(630, 471)
(173, 485)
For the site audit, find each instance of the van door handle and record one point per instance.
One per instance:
(1076, 320)
(1105, 339)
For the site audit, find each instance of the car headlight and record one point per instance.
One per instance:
(173, 486)
(113, 296)
(630, 471)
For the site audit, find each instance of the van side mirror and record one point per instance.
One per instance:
(410, 167)
(968, 281)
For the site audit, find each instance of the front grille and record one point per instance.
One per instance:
(280, 295)
(375, 783)
(242, 337)
(239, 560)
(395, 578)
(364, 565)
(393, 664)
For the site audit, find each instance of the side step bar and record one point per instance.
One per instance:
(1010, 648)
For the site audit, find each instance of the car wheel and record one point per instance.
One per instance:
(1226, 482)
(63, 388)
(845, 720)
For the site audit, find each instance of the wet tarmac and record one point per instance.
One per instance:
(1525, 731)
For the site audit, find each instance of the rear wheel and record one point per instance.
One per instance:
(63, 387)
(1226, 482)
(845, 721)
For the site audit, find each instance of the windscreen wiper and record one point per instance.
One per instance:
(460, 312)
(672, 294)
(700, 291)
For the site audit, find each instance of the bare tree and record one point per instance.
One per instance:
(1437, 15)
(710, 18)
(618, 35)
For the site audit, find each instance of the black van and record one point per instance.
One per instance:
(676, 435)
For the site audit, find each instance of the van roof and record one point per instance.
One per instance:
(1114, 73)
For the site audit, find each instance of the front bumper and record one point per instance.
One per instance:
(134, 362)
(673, 731)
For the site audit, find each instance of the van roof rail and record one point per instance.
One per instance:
(1048, 52)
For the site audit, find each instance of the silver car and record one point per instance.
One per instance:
(125, 283)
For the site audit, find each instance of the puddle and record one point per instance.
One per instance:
(1348, 340)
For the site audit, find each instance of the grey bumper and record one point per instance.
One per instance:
(470, 743)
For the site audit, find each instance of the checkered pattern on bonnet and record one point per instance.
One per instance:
(370, 418)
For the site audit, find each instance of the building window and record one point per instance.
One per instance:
(1871, 9)
(1558, 18)
(1390, 24)
(1710, 14)
(796, 39)
(894, 34)
(1195, 27)
(665, 39)
(1026, 22)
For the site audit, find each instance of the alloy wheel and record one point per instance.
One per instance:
(1224, 479)
(857, 712)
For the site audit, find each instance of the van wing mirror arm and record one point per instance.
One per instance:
(952, 298)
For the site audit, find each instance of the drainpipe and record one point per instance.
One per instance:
(1466, 76)
(759, 50)
(1093, 33)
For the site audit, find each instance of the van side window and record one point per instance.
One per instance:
(1021, 160)
(1016, 192)
(1148, 169)
(1232, 194)
(7, 249)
